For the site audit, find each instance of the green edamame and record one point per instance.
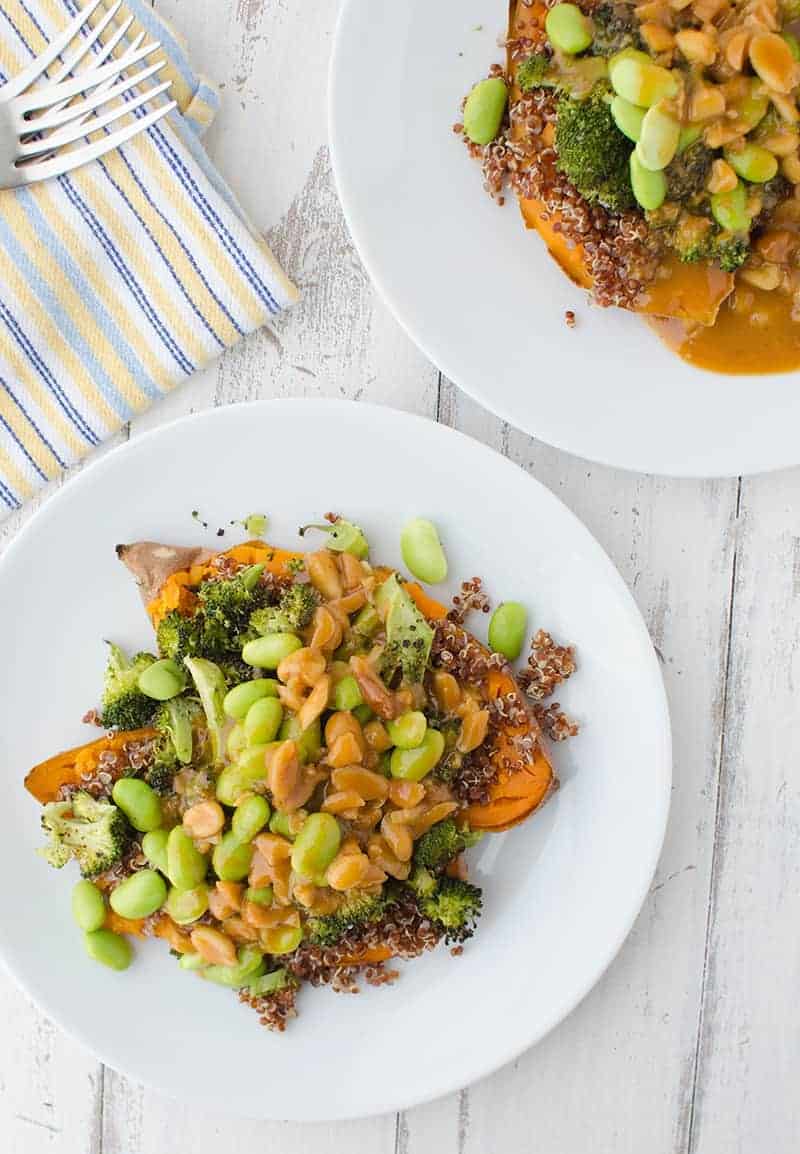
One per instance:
(658, 140)
(649, 188)
(247, 772)
(284, 939)
(421, 548)
(346, 694)
(408, 730)
(154, 848)
(268, 652)
(109, 949)
(567, 29)
(316, 845)
(255, 524)
(185, 906)
(139, 895)
(507, 629)
(236, 742)
(627, 117)
(638, 80)
(186, 866)
(162, 680)
(280, 823)
(239, 699)
(729, 209)
(484, 109)
(249, 966)
(261, 895)
(250, 818)
(753, 163)
(140, 804)
(192, 962)
(88, 907)
(231, 859)
(414, 764)
(263, 721)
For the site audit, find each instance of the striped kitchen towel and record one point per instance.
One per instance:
(120, 279)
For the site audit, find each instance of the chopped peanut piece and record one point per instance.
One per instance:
(213, 946)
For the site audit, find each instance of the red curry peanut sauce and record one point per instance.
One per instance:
(654, 147)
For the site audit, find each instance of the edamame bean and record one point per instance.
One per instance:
(316, 845)
(268, 652)
(346, 694)
(690, 133)
(408, 731)
(185, 906)
(236, 743)
(192, 962)
(186, 866)
(162, 680)
(261, 895)
(638, 80)
(240, 778)
(308, 741)
(627, 117)
(139, 895)
(140, 804)
(282, 939)
(250, 818)
(483, 110)
(109, 949)
(154, 848)
(753, 107)
(231, 859)
(88, 907)
(249, 966)
(649, 188)
(659, 138)
(279, 823)
(256, 524)
(729, 209)
(414, 764)
(263, 721)
(422, 551)
(567, 29)
(507, 629)
(239, 699)
(753, 163)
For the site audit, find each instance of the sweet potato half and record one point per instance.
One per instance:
(691, 292)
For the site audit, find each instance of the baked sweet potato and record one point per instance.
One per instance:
(74, 765)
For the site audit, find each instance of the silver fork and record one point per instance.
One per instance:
(37, 125)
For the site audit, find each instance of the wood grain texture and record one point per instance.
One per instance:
(689, 1043)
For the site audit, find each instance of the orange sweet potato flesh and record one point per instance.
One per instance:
(692, 292)
(69, 767)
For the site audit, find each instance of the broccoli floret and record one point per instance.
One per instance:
(235, 669)
(94, 833)
(772, 192)
(592, 152)
(124, 704)
(693, 238)
(408, 635)
(731, 250)
(226, 605)
(443, 842)
(614, 28)
(687, 174)
(455, 906)
(180, 636)
(174, 720)
(356, 911)
(532, 72)
(422, 882)
(211, 689)
(292, 613)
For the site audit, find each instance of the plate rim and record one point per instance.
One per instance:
(749, 467)
(663, 772)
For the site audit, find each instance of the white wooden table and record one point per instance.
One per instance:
(690, 1044)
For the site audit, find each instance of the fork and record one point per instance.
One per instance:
(37, 125)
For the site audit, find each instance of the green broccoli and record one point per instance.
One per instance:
(693, 238)
(292, 613)
(211, 689)
(533, 72)
(408, 635)
(124, 704)
(422, 882)
(443, 842)
(94, 833)
(731, 250)
(592, 152)
(356, 911)
(454, 907)
(179, 636)
(614, 27)
(174, 719)
(687, 173)
(226, 604)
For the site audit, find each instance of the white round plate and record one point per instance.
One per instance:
(561, 892)
(481, 296)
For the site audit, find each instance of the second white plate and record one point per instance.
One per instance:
(482, 298)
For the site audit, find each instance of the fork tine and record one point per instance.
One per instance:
(74, 132)
(67, 161)
(91, 78)
(79, 111)
(86, 45)
(17, 85)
